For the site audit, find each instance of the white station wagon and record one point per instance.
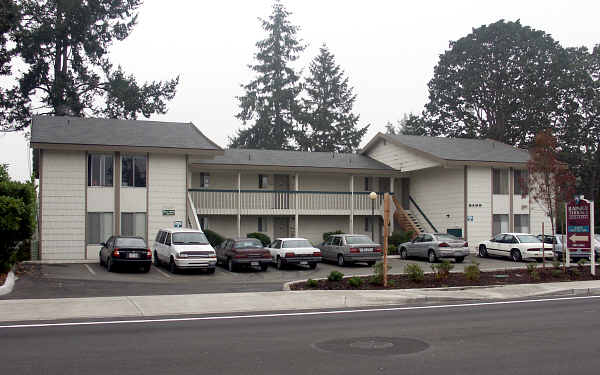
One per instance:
(517, 246)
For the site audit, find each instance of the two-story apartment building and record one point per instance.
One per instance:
(101, 177)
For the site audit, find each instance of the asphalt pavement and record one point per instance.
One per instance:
(92, 280)
(541, 337)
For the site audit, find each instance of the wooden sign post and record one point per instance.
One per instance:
(386, 234)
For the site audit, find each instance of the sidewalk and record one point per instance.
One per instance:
(151, 306)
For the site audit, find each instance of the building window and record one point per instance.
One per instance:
(500, 224)
(100, 170)
(99, 227)
(368, 224)
(500, 181)
(204, 179)
(133, 172)
(263, 181)
(133, 224)
(262, 224)
(521, 223)
(520, 182)
(203, 220)
(368, 184)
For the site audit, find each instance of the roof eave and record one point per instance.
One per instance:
(124, 148)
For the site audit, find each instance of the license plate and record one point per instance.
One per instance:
(254, 263)
(133, 255)
(366, 250)
(304, 263)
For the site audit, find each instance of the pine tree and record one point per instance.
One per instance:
(328, 122)
(270, 104)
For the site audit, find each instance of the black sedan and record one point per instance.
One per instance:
(125, 251)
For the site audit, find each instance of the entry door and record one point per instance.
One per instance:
(405, 193)
(281, 227)
(282, 187)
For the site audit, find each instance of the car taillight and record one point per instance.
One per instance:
(116, 252)
(149, 253)
(466, 244)
(317, 254)
(290, 255)
(443, 244)
(354, 250)
(377, 250)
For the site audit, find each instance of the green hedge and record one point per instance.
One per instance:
(214, 238)
(266, 241)
(326, 235)
(399, 237)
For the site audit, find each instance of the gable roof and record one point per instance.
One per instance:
(300, 159)
(67, 130)
(458, 149)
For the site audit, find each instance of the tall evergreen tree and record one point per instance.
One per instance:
(270, 106)
(64, 44)
(328, 123)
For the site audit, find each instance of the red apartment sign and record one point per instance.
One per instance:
(578, 224)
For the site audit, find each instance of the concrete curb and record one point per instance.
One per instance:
(9, 284)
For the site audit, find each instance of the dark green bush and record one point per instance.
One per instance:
(377, 278)
(214, 238)
(261, 237)
(312, 283)
(472, 272)
(335, 276)
(392, 250)
(415, 272)
(442, 270)
(326, 235)
(556, 273)
(399, 237)
(355, 282)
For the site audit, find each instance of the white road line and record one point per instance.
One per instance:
(90, 269)
(162, 272)
(274, 315)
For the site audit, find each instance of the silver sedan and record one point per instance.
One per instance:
(434, 246)
(350, 248)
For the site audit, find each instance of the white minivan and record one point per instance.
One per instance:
(182, 248)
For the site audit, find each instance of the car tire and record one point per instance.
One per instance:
(371, 263)
(146, 269)
(340, 260)
(264, 267)
(539, 260)
(156, 260)
(312, 265)
(211, 270)
(403, 253)
(459, 259)
(515, 255)
(172, 266)
(483, 251)
(431, 257)
(110, 267)
(279, 263)
(230, 265)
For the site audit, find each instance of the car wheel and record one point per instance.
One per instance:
(459, 259)
(264, 267)
(156, 260)
(516, 255)
(403, 254)
(371, 263)
(146, 269)
(431, 256)
(210, 271)
(172, 266)
(230, 265)
(312, 265)
(279, 263)
(340, 260)
(483, 251)
(110, 267)
(539, 260)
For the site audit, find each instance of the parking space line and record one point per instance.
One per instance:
(162, 272)
(90, 269)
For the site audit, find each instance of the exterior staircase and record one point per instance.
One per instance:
(406, 220)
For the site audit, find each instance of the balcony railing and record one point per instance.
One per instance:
(261, 202)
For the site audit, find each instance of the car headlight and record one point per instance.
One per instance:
(182, 256)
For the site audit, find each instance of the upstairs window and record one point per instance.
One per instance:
(100, 170)
(520, 185)
(133, 171)
(500, 181)
(204, 179)
(368, 184)
(263, 181)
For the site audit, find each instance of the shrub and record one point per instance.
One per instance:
(355, 282)
(335, 276)
(533, 272)
(392, 250)
(581, 263)
(555, 263)
(556, 273)
(377, 278)
(415, 272)
(261, 237)
(442, 269)
(214, 238)
(312, 283)
(399, 237)
(472, 272)
(326, 235)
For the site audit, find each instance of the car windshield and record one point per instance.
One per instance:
(446, 237)
(296, 243)
(247, 243)
(528, 238)
(354, 240)
(189, 238)
(130, 242)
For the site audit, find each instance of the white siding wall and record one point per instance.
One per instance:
(133, 199)
(313, 227)
(225, 225)
(501, 204)
(100, 199)
(324, 182)
(63, 205)
(537, 217)
(520, 204)
(167, 190)
(400, 158)
(479, 192)
(439, 192)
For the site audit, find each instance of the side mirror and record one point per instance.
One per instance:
(103, 244)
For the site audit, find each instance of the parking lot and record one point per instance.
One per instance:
(92, 280)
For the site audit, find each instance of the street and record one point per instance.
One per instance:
(552, 336)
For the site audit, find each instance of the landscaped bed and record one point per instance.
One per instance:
(2, 278)
(455, 279)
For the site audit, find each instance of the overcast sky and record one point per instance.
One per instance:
(388, 49)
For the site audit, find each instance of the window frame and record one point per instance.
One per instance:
(518, 175)
(88, 242)
(204, 180)
(263, 181)
(133, 158)
(102, 176)
(503, 185)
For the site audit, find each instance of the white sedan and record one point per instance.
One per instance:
(285, 251)
(517, 246)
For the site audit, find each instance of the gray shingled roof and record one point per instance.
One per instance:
(463, 149)
(110, 132)
(296, 159)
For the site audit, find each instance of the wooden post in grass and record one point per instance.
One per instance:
(386, 234)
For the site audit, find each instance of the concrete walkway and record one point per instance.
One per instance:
(148, 306)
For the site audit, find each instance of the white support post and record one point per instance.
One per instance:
(351, 231)
(392, 208)
(297, 232)
(239, 205)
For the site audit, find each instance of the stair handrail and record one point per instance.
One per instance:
(422, 214)
(401, 212)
